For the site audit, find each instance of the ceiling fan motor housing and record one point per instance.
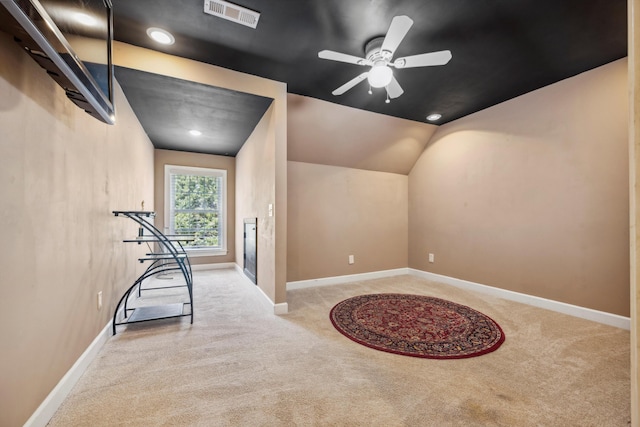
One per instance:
(373, 52)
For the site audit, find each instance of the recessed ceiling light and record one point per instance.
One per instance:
(433, 117)
(160, 35)
(194, 132)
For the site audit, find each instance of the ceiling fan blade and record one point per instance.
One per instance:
(397, 30)
(424, 59)
(393, 89)
(351, 83)
(342, 57)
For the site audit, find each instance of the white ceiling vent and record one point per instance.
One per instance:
(231, 12)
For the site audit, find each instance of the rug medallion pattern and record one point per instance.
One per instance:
(416, 325)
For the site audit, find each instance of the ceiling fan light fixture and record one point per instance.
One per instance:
(380, 76)
(379, 53)
(161, 36)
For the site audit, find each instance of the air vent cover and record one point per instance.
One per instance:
(231, 12)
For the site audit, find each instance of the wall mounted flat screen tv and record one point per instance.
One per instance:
(72, 40)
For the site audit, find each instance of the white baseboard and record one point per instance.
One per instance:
(278, 309)
(560, 307)
(54, 399)
(216, 266)
(52, 402)
(327, 281)
(281, 308)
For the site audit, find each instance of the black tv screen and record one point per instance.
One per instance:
(72, 40)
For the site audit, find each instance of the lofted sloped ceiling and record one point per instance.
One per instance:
(500, 49)
(335, 135)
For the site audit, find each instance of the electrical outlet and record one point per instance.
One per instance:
(432, 258)
(100, 300)
(270, 209)
(351, 259)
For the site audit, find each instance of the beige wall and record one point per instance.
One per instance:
(160, 63)
(358, 199)
(181, 158)
(532, 195)
(330, 134)
(61, 174)
(335, 212)
(255, 165)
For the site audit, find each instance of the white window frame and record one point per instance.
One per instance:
(190, 170)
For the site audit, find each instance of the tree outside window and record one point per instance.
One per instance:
(196, 205)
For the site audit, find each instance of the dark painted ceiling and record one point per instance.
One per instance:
(501, 48)
(169, 108)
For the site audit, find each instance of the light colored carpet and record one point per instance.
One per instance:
(240, 365)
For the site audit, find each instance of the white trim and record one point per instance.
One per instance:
(52, 402)
(170, 169)
(278, 309)
(557, 306)
(336, 280)
(201, 252)
(239, 270)
(560, 307)
(213, 266)
(281, 308)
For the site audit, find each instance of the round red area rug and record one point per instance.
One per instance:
(416, 325)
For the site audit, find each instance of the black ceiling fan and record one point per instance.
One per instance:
(378, 55)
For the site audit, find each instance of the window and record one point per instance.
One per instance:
(195, 203)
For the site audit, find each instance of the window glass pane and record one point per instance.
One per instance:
(195, 207)
(201, 224)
